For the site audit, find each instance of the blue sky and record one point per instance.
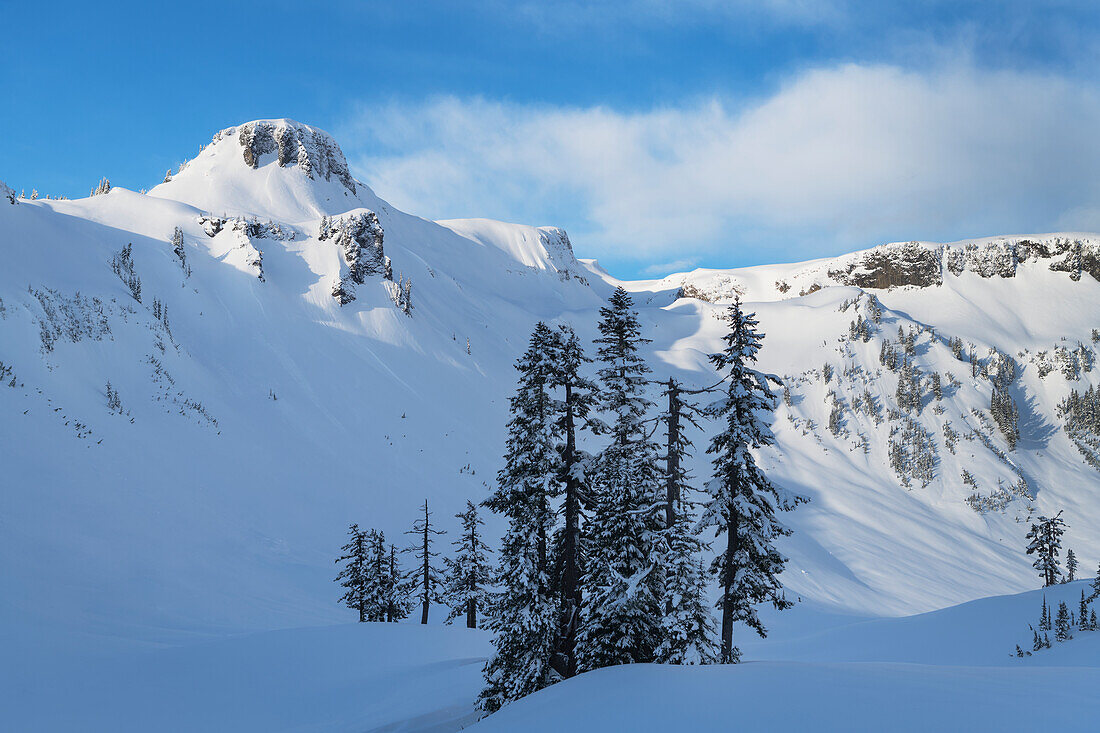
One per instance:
(661, 135)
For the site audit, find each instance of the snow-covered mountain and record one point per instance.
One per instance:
(204, 384)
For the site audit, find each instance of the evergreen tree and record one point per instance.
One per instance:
(573, 411)
(1071, 566)
(178, 248)
(467, 573)
(1045, 543)
(1092, 620)
(1062, 623)
(688, 633)
(1095, 592)
(1083, 613)
(742, 502)
(908, 392)
(377, 576)
(622, 617)
(353, 576)
(425, 576)
(396, 590)
(1044, 616)
(1003, 409)
(524, 613)
(1036, 642)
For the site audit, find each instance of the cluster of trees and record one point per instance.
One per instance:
(1064, 622)
(1045, 542)
(378, 587)
(601, 563)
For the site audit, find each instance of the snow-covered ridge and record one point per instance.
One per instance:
(540, 248)
(898, 264)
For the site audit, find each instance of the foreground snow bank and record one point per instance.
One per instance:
(339, 678)
(782, 696)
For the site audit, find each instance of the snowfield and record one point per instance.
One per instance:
(167, 557)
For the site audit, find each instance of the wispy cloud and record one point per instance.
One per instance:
(836, 158)
(665, 268)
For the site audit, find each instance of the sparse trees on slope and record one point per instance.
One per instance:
(425, 576)
(467, 573)
(622, 616)
(1045, 543)
(524, 613)
(354, 574)
(742, 502)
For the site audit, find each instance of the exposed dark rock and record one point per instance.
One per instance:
(892, 265)
(312, 150)
(359, 236)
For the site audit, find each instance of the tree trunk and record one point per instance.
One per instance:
(672, 453)
(727, 588)
(471, 614)
(427, 568)
(570, 580)
(362, 612)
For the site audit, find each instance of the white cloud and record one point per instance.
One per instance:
(836, 158)
(665, 268)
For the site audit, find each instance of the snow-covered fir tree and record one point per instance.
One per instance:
(1071, 566)
(425, 575)
(621, 622)
(1083, 613)
(179, 250)
(396, 590)
(573, 404)
(908, 392)
(1094, 592)
(467, 574)
(688, 633)
(523, 613)
(1062, 623)
(741, 501)
(353, 576)
(1003, 409)
(1045, 542)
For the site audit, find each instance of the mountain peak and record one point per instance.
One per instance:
(277, 168)
(312, 150)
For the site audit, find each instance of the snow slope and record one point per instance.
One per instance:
(259, 416)
(947, 670)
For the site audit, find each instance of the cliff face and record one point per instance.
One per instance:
(314, 152)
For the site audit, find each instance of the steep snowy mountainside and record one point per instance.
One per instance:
(287, 353)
